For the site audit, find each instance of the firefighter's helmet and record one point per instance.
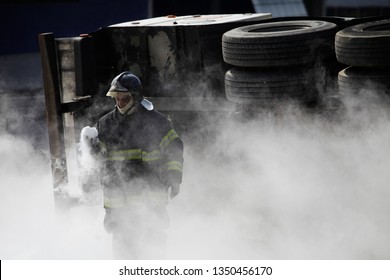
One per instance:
(126, 82)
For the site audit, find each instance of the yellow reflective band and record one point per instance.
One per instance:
(135, 154)
(174, 165)
(125, 155)
(171, 135)
(149, 197)
(113, 202)
(151, 156)
(122, 201)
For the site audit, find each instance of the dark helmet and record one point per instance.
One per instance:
(126, 82)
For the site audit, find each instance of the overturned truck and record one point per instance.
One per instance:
(191, 65)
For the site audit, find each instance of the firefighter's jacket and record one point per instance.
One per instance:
(143, 155)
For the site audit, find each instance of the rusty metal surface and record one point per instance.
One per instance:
(53, 112)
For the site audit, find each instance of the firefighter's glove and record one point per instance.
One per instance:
(89, 137)
(175, 189)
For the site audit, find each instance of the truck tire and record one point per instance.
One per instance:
(264, 86)
(365, 45)
(279, 43)
(354, 79)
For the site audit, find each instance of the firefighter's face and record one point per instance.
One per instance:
(122, 99)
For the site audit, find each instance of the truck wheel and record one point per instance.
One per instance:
(354, 79)
(279, 43)
(264, 86)
(366, 44)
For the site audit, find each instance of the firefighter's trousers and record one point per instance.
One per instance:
(139, 231)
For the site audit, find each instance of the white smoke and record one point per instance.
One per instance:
(290, 185)
(31, 227)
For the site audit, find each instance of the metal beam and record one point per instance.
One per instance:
(53, 111)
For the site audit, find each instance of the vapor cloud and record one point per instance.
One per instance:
(291, 185)
(31, 227)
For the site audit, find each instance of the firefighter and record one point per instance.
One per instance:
(143, 164)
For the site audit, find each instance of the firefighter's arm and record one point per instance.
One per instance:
(172, 149)
(174, 167)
